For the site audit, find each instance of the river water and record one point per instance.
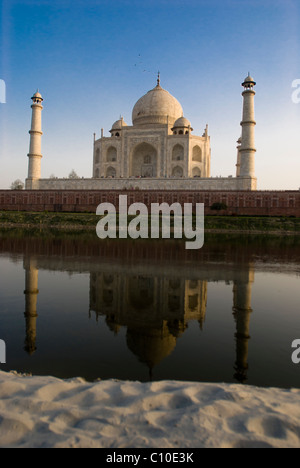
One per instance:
(72, 305)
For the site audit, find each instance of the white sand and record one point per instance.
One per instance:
(48, 412)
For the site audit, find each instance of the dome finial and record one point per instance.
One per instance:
(158, 78)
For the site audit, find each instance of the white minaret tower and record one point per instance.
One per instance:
(35, 148)
(247, 149)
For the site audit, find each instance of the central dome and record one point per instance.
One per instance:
(158, 106)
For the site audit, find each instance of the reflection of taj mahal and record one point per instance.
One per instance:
(155, 310)
(154, 304)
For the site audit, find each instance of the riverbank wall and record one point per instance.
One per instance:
(228, 203)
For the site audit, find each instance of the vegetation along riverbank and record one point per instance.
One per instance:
(87, 221)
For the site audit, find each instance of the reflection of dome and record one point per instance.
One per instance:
(156, 107)
(151, 346)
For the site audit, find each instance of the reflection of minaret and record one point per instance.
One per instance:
(242, 310)
(31, 293)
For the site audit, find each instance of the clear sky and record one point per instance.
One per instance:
(93, 59)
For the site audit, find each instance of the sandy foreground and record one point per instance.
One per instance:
(48, 412)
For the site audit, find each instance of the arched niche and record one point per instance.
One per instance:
(111, 172)
(143, 162)
(197, 154)
(177, 172)
(178, 153)
(111, 154)
(196, 172)
(97, 156)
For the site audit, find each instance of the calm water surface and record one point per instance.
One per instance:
(77, 306)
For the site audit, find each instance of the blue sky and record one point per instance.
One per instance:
(92, 60)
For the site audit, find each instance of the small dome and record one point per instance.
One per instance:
(118, 125)
(37, 95)
(248, 80)
(182, 122)
(158, 106)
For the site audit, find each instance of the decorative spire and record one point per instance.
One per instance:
(158, 79)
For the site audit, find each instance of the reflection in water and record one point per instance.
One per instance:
(242, 311)
(152, 309)
(31, 294)
(155, 300)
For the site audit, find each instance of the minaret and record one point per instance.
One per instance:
(238, 164)
(247, 149)
(35, 156)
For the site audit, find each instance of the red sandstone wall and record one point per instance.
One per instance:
(264, 203)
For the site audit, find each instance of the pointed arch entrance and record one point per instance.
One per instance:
(143, 161)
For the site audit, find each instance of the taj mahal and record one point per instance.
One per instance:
(159, 151)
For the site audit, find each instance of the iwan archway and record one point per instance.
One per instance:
(143, 161)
